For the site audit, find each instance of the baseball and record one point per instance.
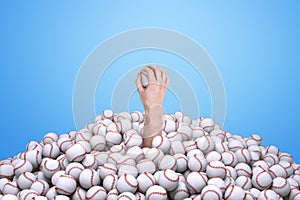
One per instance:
(65, 185)
(181, 192)
(144, 80)
(40, 186)
(196, 181)
(234, 192)
(89, 161)
(50, 137)
(145, 180)
(156, 192)
(212, 156)
(137, 116)
(75, 152)
(135, 152)
(205, 144)
(244, 182)
(243, 155)
(34, 157)
(167, 162)
(10, 187)
(51, 150)
(6, 170)
(146, 165)
(215, 169)
(168, 179)
(162, 143)
(88, 178)
(267, 194)
(78, 194)
(112, 195)
(174, 136)
(113, 138)
(243, 169)
(220, 183)
(197, 163)
(278, 170)
(182, 162)
(98, 143)
(177, 147)
(132, 138)
(107, 114)
(211, 192)
(50, 166)
(185, 132)
(127, 183)
(207, 124)
(110, 181)
(106, 169)
(154, 154)
(25, 180)
(74, 169)
(281, 186)
(128, 169)
(169, 126)
(262, 180)
(22, 166)
(126, 196)
(96, 193)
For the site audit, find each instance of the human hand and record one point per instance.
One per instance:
(158, 81)
(152, 97)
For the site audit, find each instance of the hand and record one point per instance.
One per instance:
(152, 98)
(153, 94)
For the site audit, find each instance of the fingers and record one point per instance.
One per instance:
(157, 72)
(138, 83)
(150, 74)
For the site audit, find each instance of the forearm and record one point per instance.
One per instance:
(153, 124)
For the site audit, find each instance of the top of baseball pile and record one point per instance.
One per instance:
(192, 159)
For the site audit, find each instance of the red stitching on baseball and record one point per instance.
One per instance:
(168, 178)
(95, 193)
(159, 193)
(202, 196)
(125, 178)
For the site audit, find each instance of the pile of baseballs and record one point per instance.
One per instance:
(192, 159)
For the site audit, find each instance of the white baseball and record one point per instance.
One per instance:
(110, 181)
(285, 156)
(267, 194)
(75, 152)
(40, 186)
(51, 193)
(96, 193)
(113, 138)
(221, 147)
(220, 183)
(235, 144)
(126, 160)
(185, 132)
(156, 192)
(136, 152)
(128, 169)
(9, 197)
(244, 182)
(243, 155)
(112, 195)
(271, 158)
(56, 176)
(213, 155)
(27, 194)
(127, 183)
(63, 161)
(107, 114)
(168, 179)
(215, 169)
(98, 142)
(144, 80)
(51, 150)
(132, 138)
(231, 172)
(181, 192)
(261, 163)
(34, 157)
(243, 169)
(207, 124)
(125, 124)
(25, 180)
(154, 154)
(146, 165)
(49, 167)
(177, 147)
(205, 144)
(210, 192)
(288, 166)
(234, 192)
(74, 169)
(22, 166)
(87, 146)
(106, 169)
(278, 170)
(197, 163)
(169, 126)
(99, 129)
(89, 161)
(65, 185)
(194, 151)
(126, 196)
(167, 162)
(272, 149)
(162, 143)
(137, 116)
(145, 180)
(113, 158)
(182, 162)
(10, 187)
(140, 196)
(7, 170)
(189, 145)
(50, 137)
(197, 132)
(174, 136)
(79, 194)
(88, 178)
(262, 180)
(196, 181)
(281, 186)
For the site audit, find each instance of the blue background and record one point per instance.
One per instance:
(255, 46)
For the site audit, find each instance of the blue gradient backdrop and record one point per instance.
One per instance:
(255, 46)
